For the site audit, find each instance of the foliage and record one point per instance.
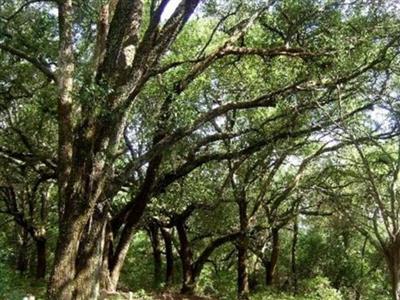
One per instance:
(15, 286)
(246, 147)
(317, 288)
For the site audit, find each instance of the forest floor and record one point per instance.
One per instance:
(163, 296)
(173, 296)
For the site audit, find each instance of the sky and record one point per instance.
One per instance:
(169, 9)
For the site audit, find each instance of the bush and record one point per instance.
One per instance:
(318, 288)
(14, 286)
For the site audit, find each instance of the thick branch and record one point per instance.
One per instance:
(41, 66)
(202, 259)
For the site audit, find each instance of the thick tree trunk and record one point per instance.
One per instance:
(82, 220)
(74, 170)
(90, 257)
(395, 280)
(61, 282)
(186, 255)
(169, 256)
(270, 271)
(242, 248)
(392, 255)
(155, 243)
(41, 258)
(78, 259)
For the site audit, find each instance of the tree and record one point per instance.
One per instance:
(371, 170)
(374, 210)
(126, 102)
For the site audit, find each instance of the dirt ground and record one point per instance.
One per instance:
(172, 296)
(163, 296)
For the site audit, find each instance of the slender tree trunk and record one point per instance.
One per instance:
(115, 267)
(293, 255)
(117, 256)
(130, 222)
(202, 259)
(22, 250)
(105, 275)
(242, 248)
(155, 244)
(186, 255)
(243, 277)
(41, 259)
(169, 256)
(358, 288)
(274, 257)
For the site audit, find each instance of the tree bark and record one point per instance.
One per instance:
(270, 271)
(243, 277)
(105, 275)
(392, 255)
(78, 258)
(22, 250)
(41, 260)
(293, 255)
(206, 253)
(130, 220)
(155, 244)
(169, 256)
(90, 257)
(242, 248)
(186, 255)
(60, 286)
(70, 228)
